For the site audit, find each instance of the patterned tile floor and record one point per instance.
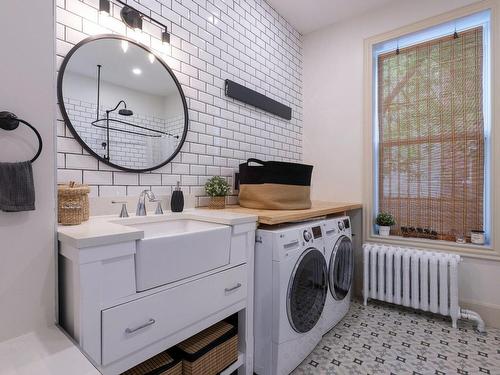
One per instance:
(386, 339)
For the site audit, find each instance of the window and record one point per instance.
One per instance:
(431, 126)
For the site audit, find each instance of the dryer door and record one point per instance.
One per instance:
(341, 267)
(307, 290)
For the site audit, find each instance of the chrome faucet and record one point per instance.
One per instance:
(141, 204)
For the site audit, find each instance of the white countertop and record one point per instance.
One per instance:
(44, 352)
(109, 229)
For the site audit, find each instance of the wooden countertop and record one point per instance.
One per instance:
(319, 208)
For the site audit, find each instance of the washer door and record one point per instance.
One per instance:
(340, 270)
(307, 290)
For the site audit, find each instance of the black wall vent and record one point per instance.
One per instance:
(243, 94)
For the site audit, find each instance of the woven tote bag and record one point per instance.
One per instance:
(275, 185)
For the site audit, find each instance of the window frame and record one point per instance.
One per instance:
(405, 35)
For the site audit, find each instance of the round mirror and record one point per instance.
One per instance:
(122, 103)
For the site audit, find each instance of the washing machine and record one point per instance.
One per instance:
(291, 289)
(340, 259)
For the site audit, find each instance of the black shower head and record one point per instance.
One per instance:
(125, 112)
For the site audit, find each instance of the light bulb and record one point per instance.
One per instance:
(124, 46)
(136, 71)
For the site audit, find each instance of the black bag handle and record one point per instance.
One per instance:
(258, 161)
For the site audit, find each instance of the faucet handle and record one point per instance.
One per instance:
(159, 209)
(123, 212)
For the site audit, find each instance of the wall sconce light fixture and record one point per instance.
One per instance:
(165, 37)
(104, 7)
(133, 17)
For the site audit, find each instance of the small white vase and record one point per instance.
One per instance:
(384, 231)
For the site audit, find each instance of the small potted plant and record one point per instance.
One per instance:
(384, 221)
(217, 188)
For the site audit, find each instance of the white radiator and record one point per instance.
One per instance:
(414, 278)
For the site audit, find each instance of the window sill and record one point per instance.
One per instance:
(467, 250)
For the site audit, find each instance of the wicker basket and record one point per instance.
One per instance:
(164, 363)
(73, 203)
(210, 351)
(217, 203)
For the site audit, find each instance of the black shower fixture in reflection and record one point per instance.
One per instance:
(123, 112)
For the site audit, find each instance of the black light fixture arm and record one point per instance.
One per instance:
(124, 4)
(130, 16)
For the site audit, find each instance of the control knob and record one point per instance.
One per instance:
(307, 236)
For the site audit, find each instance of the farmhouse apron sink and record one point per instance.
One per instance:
(173, 250)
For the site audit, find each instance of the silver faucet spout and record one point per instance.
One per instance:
(141, 204)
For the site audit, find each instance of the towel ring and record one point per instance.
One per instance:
(9, 121)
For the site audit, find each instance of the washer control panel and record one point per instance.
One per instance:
(316, 232)
(313, 233)
(337, 226)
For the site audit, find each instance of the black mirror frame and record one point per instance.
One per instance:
(75, 134)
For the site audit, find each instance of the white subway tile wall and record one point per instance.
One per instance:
(246, 41)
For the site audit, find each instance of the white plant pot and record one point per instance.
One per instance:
(383, 230)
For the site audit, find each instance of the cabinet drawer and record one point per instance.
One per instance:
(135, 325)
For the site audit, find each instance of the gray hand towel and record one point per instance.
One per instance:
(17, 191)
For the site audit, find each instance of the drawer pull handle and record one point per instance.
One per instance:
(233, 288)
(147, 324)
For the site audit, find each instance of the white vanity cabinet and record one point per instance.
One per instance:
(118, 325)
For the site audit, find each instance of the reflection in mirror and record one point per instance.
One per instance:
(123, 103)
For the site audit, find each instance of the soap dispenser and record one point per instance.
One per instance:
(177, 201)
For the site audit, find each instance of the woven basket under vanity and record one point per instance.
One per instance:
(210, 351)
(72, 203)
(164, 363)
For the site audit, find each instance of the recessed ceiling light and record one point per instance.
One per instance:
(136, 71)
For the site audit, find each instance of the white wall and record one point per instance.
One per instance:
(27, 88)
(77, 86)
(333, 93)
(173, 106)
(333, 120)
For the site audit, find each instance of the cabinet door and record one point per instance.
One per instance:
(134, 325)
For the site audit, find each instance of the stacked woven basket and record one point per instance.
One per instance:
(206, 353)
(73, 203)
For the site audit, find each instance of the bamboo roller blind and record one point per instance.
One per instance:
(431, 134)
